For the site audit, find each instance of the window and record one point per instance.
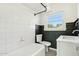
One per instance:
(55, 20)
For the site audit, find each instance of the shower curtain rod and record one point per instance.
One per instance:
(41, 11)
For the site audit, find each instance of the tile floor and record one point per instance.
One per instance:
(51, 53)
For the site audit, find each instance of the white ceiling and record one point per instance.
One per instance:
(36, 7)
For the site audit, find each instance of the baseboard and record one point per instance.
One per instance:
(52, 49)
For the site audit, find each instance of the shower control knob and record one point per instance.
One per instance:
(21, 39)
(77, 48)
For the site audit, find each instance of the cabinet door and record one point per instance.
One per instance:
(67, 49)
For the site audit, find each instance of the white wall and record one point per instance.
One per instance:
(16, 27)
(78, 10)
(69, 9)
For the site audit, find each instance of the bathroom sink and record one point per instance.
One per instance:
(65, 38)
(68, 45)
(68, 37)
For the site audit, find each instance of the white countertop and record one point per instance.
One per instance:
(65, 38)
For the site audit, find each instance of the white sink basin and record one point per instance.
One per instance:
(68, 37)
(74, 39)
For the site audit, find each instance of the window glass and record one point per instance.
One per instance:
(56, 19)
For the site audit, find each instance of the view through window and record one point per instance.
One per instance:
(55, 20)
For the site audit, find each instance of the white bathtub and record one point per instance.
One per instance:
(30, 50)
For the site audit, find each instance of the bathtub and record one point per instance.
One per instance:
(68, 46)
(30, 50)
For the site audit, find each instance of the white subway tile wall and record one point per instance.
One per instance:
(16, 27)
